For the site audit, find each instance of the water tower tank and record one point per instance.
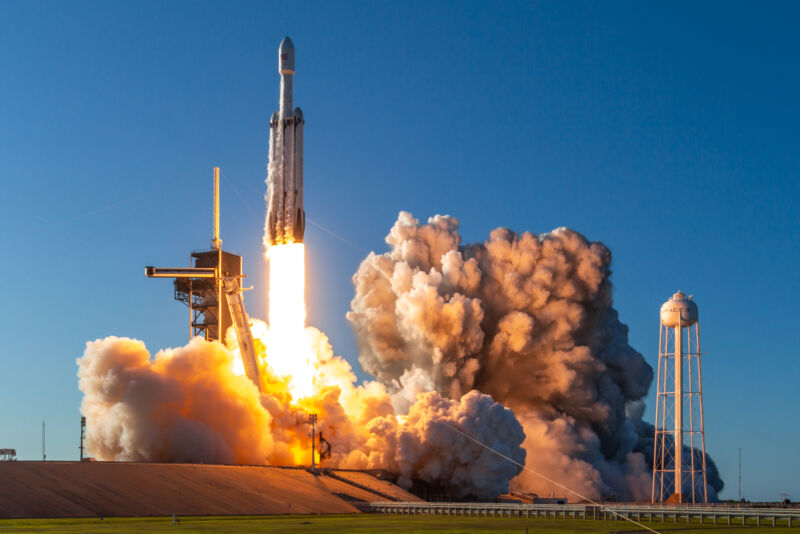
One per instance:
(680, 310)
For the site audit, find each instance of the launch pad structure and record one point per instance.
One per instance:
(212, 289)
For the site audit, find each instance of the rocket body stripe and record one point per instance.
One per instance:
(285, 213)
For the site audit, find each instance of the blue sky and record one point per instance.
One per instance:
(668, 132)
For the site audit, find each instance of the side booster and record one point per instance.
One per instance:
(286, 220)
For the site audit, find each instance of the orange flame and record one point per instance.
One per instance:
(289, 351)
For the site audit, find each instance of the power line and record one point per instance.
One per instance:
(337, 236)
(328, 231)
(501, 455)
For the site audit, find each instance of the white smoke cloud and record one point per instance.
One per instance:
(189, 405)
(525, 318)
(429, 448)
(457, 336)
(184, 405)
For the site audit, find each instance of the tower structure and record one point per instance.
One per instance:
(201, 287)
(212, 288)
(679, 451)
(312, 420)
(83, 436)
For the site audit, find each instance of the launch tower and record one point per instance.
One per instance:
(679, 452)
(212, 289)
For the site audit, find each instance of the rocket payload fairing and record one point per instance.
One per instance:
(286, 220)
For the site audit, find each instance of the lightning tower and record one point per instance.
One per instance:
(679, 467)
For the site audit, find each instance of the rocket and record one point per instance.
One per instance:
(286, 220)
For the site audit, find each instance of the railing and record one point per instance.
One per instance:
(650, 513)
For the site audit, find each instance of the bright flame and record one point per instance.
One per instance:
(289, 351)
(237, 365)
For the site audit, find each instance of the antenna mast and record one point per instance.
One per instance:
(312, 420)
(216, 242)
(83, 435)
(740, 474)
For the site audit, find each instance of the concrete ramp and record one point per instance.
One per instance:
(381, 487)
(90, 489)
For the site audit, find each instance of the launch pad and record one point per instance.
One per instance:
(135, 489)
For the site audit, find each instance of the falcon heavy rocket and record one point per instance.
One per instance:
(286, 220)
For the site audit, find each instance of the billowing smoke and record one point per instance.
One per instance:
(525, 318)
(430, 449)
(184, 405)
(513, 342)
(190, 405)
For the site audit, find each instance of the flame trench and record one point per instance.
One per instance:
(289, 352)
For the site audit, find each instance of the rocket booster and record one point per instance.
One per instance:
(286, 220)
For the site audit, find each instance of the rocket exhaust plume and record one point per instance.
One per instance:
(290, 350)
(190, 405)
(527, 319)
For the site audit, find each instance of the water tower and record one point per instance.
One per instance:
(679, 452)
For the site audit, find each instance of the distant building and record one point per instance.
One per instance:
(535, 499)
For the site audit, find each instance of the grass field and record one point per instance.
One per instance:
(361, 524)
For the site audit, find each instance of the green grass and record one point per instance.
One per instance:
(368, 523)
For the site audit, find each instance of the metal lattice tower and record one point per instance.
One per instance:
(679, 451)
(83, 436)
(312, 420)
(212, 288)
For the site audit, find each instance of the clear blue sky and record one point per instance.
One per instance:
(669, 132)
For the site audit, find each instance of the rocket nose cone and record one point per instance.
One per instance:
(286, 56)
(286, 45)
